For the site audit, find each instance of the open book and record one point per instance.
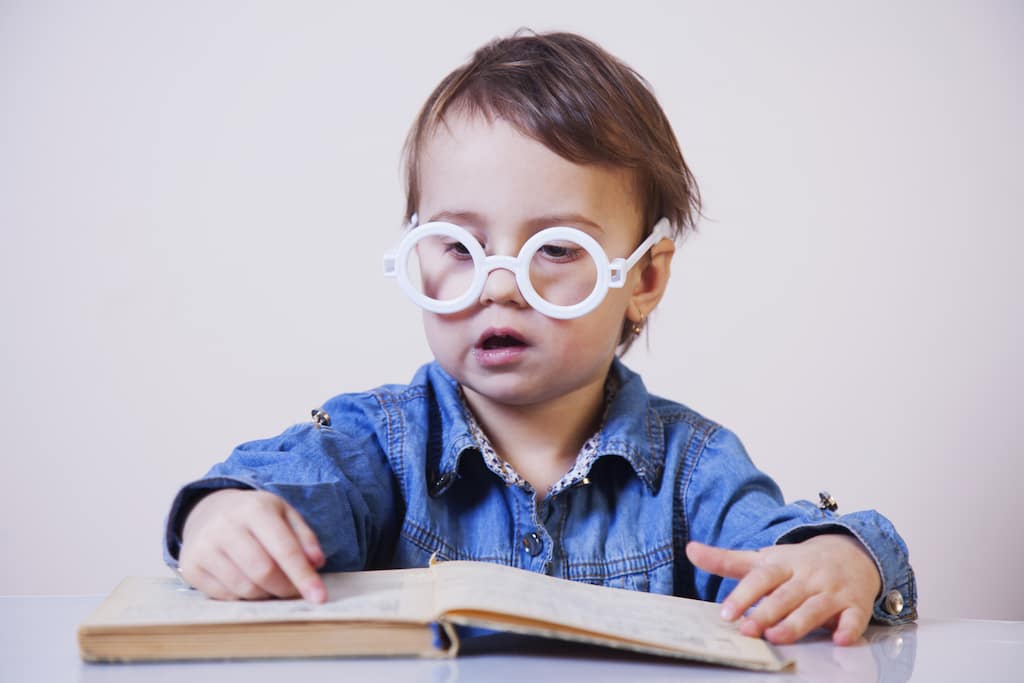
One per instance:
(409, 612)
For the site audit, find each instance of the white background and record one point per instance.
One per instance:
(195, 197)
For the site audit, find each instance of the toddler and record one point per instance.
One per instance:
(545, 192)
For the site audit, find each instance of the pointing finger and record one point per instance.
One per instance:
(281, 542)
(308, 540)
(256, 568)
(733, 564)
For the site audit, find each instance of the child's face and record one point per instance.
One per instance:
(500, 347)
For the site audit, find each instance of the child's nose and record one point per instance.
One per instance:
(500, 287)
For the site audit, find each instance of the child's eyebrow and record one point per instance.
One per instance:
(459, 217)
(474, 218)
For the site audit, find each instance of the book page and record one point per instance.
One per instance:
(403, 595)
(687, 626)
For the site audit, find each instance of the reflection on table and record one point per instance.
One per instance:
(37, 642)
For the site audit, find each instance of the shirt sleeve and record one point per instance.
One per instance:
(731, 504)
(336, 476)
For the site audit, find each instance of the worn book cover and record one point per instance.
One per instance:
(409, 612)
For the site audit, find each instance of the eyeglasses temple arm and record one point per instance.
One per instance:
(662, 230)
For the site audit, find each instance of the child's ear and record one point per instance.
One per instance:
(650, 286)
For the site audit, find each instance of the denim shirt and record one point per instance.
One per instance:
(397, 477)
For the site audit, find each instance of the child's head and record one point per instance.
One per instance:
(577, 100)
(536, 131)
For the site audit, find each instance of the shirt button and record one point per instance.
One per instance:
(894, 602)
(533, 543)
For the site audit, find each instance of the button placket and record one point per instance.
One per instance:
(532, 538)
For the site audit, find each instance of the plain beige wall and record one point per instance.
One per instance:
(194, 200)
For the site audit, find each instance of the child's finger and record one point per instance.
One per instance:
(853, 621)
(204, 581)
(198, 567)
(280, 540)
(733, 564)
(759, 581)
(228, 573)
(775, 606)
(308, 539)
(248, 552)
(814, 612)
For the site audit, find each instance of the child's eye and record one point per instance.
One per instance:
(456, 248)
(561, 252)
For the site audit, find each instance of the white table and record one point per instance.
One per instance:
(37, 643)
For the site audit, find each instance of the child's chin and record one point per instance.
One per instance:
(504, 388)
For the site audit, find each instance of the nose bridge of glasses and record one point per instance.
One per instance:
(496, 262)
(502, 287)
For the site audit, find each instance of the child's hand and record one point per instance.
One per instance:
(827, 580)
(250, 545)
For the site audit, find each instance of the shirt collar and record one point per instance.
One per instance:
(632, 429)
(449, 427)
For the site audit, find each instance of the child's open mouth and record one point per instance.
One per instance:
(499, 347)
(501, 341)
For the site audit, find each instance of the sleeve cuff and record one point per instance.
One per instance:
(897, 600)
(186, 499)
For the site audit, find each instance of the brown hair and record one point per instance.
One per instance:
(580, 102)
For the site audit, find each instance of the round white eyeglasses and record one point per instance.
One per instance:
(561, 272)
